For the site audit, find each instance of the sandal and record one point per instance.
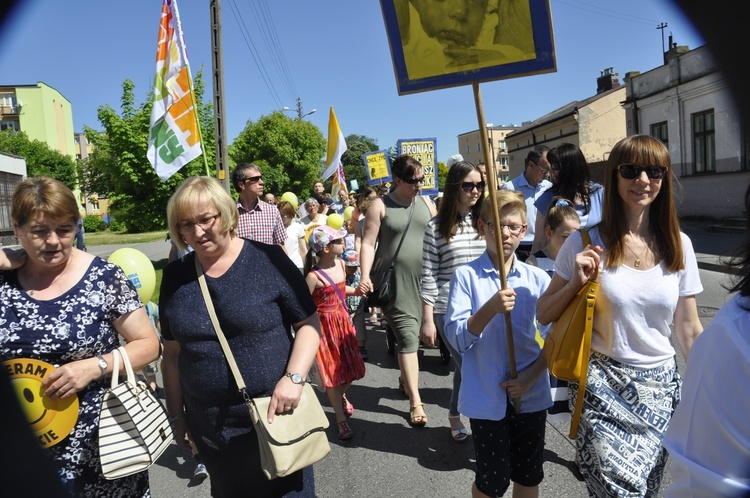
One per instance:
(345, 432)
(348, 407)
(417, 420)
(458, 435)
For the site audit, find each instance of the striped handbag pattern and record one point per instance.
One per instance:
(134, 428)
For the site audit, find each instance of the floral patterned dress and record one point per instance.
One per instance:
(73, 326)
(339, 361)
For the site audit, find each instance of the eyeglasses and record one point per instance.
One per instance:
(187, 227)
(337, 241)
(515, 230)
(469, 187)
(630, 171)
(253, 179)
(543, 170)
(414, 181)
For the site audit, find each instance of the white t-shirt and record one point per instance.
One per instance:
(709, 436)
(294, 232)
(635, 308)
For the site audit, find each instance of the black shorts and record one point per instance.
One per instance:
(518, 439)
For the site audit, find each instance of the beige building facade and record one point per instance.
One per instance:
(470, 147)
(687, 104)
(595, 125)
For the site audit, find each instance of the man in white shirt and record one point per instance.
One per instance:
(532, 183)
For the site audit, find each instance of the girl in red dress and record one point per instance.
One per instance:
(339, 361)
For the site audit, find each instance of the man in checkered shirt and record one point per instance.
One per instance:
(258, 220)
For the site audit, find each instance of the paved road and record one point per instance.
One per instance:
(387, 457)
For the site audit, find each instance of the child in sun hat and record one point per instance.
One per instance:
(339, 361)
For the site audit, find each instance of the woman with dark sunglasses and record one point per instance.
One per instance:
(387, 219)
(648, 281)
(451, 240)
(570, 177)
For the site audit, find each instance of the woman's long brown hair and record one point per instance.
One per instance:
(662, 216)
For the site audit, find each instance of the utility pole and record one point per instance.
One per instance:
(222, 161)
(662, 26)
(299, 108)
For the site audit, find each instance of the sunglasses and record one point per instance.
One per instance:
(469, 187)
(253, 179)
(630, 171)
(414, 181)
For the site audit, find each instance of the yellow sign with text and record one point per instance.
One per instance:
(424, 151)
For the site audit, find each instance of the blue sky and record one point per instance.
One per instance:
(335, 53)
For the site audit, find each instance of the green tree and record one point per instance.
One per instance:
(288, 150)
(354, 163)
(40, 158)
(442, 174)
(120, 169)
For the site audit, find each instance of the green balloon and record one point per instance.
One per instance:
(139, 270)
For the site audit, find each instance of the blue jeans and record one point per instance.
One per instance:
(439, 318)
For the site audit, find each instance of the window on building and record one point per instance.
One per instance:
(479, 147)
(660, 131)
(9, 125)
(468, 149)
(7, 99)
(704, 142)
(502, 145)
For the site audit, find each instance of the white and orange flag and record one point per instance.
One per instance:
(336, 146)
(174, 139)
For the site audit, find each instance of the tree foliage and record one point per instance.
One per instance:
(288, 150)
(442, 175)
(40, 158)
(119, 168)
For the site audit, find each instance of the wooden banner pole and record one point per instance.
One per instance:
(492, 186)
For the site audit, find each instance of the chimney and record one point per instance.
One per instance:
(607, 80)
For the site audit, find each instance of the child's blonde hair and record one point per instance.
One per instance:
(512, 199)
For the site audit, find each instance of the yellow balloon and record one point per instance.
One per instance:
(139, 270)
(348, 210)
(290, 198)
(335, 221)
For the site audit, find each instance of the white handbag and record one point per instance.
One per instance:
(134, 428)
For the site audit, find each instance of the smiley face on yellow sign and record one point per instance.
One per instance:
(50, 419)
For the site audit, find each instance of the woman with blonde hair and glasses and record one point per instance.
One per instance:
(648, 278)
(258, 294)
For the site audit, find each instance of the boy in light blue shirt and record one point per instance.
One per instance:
(509, 446)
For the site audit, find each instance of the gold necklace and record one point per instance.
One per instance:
(637, 262)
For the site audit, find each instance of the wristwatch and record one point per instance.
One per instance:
(296, 378)
(102, 365)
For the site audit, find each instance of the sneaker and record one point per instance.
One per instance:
(200, 473)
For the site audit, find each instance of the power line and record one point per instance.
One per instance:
(267, 30)
(254, 53)
(596, 9)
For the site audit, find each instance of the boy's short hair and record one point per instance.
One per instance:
(505, 199)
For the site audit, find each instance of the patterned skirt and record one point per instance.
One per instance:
(626, 411)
